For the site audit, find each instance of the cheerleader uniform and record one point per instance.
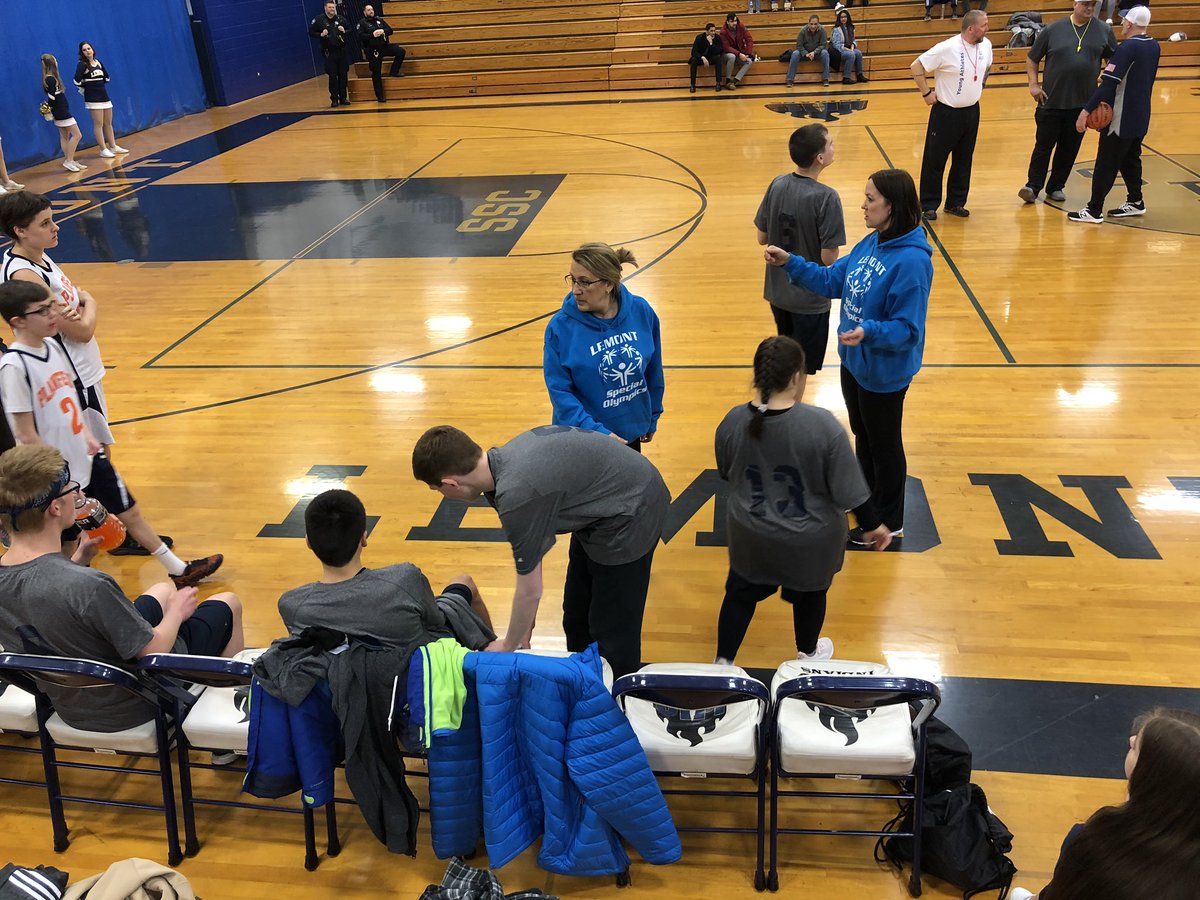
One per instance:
(91, 78)
(60, 110)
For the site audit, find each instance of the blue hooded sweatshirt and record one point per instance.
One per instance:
(885, 289)
(605, 375)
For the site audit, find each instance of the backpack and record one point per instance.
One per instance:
(962, 842)
(947, 759)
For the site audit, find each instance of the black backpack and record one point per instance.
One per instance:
(962, 841)
(947, 758)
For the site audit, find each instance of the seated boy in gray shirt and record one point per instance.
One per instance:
(393, 605)
(557, 480)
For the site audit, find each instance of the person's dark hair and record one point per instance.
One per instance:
(837, 20)
(897, 188)
(18, 296)
(709, 25)
(730, 17)
(444, 451)
(806, 143)
(1149, 846)
(19, 210)
(83, 58)
(814, 18)
(776, 362)
(334, 524)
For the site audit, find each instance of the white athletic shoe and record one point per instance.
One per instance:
(107, 154)
(824, 650)
(72, 166)
(12, 187)
(1019, 893)
(116, 149)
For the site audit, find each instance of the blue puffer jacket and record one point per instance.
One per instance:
(543, 751)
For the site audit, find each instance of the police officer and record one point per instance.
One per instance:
(373, 34)
(332, 30)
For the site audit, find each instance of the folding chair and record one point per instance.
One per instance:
(18, 718)
(219, 722)
(847, 719)
(696, 720)
(150, 739)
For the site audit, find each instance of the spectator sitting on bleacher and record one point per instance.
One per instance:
(811, 45)
(953, 9)
(393, 605)
(844, 49)
(738, 46)
(706, 51)
(81, 612)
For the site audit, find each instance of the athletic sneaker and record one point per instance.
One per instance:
(1019, 893)
(225, 758)
(1127, 209)
(1057, 196)
(1027, 194)
(107, 154)
(898, 533)
(929, 214)
(72, 166)
(117, 149)
(722, 661)
(133, 548)
(13, 187)
(1085, 215)
(824, 650)
(197, 570)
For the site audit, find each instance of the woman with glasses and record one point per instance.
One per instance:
(602, 358)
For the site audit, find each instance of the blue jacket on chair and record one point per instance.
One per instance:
(544, 751)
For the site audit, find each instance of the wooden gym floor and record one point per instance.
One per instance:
(285, 287)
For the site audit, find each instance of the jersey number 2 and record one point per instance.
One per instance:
(71, 408)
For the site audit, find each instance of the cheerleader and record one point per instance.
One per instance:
(91, 78)
(60, 113)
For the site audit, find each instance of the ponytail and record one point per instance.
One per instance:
(776, 362)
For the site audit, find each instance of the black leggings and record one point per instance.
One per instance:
(742, 598)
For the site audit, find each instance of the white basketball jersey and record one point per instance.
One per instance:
(57, 412)
(86, 356)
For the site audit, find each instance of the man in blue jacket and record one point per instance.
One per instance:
(1127, 85)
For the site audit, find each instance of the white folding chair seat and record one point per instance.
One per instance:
(139, 739)
(220, 719)
(826, 740)
(718, 740)
(18, 710)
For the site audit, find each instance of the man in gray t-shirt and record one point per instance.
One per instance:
(807, 217)
(1072, 50)
(556, 480)
(394, 605)
(79, 612)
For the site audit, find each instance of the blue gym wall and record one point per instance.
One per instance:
(256, 46)
(146, 45)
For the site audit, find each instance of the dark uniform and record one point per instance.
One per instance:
(333, 48)
(376, 48)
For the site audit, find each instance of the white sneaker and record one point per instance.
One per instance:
(12, 186)
(722, 661)
(1019, 893)
(107, 154)
(1106, 22)
(1127, 209)
(1085, 215)
(824, 650)
(116, 149)
(898, 533)
(72, 166)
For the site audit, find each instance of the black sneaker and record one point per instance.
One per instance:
(961, 211)
(929, 214)
(133, 548)
(197, 570)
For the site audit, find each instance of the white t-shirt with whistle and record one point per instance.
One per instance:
(958, 70)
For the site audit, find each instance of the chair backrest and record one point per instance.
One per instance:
(211, 671)
(70, 672)
(690, 686)
(853, 685)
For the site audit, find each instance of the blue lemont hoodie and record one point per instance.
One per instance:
(885, 289)
(605, 375)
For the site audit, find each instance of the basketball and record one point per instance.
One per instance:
(1100, 117)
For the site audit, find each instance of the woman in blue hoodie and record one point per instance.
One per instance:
(602, 359)
(884, 286)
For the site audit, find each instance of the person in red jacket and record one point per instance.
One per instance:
(739, 47)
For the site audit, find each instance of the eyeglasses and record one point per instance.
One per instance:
(71, 488)
(40, 311)
(572, 281)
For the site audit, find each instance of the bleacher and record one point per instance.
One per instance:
(498, 47)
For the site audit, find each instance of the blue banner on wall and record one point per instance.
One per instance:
(147, 49)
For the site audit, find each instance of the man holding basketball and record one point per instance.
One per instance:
(1126, 84)
(1071, 50)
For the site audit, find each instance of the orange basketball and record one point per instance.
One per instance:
(1100, 117)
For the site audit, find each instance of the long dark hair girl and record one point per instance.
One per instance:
(776, 362)
(1149, 846)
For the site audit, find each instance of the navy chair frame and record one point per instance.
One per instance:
(855, 692)
(704, 692)
(171, 671)
(83, 674)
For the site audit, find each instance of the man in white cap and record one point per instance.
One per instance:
(1127, 85)
(1071, 50)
